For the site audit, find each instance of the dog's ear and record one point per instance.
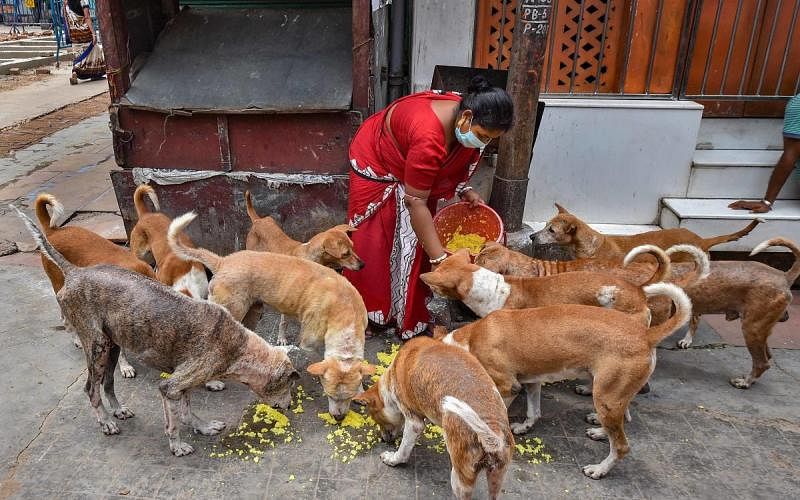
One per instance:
(432, 278)
(345, 228)
(561, 209)
(463, 254)
(318, 369)
(332, 247)
(571, 228)
(367, 369)
(439, 332)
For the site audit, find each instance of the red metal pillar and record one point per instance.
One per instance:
(362, 15)
(114, 33)
(524, 75)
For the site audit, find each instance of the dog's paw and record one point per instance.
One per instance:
(109, 428)
(215, 385)
(77, 342)
(127, 371)
(741, 382)
(592, 418)
(597, 434)
(210, 428)
(123, 413)
(390, 458)
(583, 390)
(685, 342)
(595, 471)
(180, 449)
(521, 428)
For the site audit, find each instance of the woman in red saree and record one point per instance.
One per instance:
(421, 149)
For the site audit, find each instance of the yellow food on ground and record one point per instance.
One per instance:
(471, 241)
(385, 359)
(165, 375)
(532, 450)
(529, 449)
(354, 435)
(262, 428)
(434, 438)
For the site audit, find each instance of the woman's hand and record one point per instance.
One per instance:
(756, 207)
(473, 198)
(422, 222)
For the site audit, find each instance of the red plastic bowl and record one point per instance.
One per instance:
(480, 220)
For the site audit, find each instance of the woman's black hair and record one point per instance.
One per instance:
(492, 107)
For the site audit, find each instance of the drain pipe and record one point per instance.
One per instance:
(397, 48)
(516, 147)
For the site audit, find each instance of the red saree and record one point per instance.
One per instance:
(385, 241)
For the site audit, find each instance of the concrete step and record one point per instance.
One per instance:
(37, 41)
(712, 217)
(34, 62)
(25, 53)
(615, 229)
(740, 133)
(18, 47)
(727, 173)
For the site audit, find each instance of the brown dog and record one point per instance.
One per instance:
(330, 310)
(332, 248)
(448, 387)
(484, 291)
(755, 292)
(567, 229)
(548, 344)
(150, 235)
(113, 308)
(499, 259)
(82, 248)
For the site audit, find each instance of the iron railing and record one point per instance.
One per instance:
(20, 13)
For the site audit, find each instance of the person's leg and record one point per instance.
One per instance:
(781, 172)
(786, 163)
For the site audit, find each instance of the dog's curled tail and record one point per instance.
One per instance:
(207, 258)
(138, 199)
(683, 310)
(251, 211)
(794, 271)
(490, 440)
(702, 263)
(664, 266)
(47, 220)
(710, 242)
(44, 244)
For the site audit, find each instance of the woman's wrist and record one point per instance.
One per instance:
(464, 191)
(438, 260)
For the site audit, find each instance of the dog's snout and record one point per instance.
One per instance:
(360, 264)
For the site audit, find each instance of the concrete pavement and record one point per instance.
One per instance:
(693, 435)
(38, 98)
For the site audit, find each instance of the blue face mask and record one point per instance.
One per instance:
(468, 139)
